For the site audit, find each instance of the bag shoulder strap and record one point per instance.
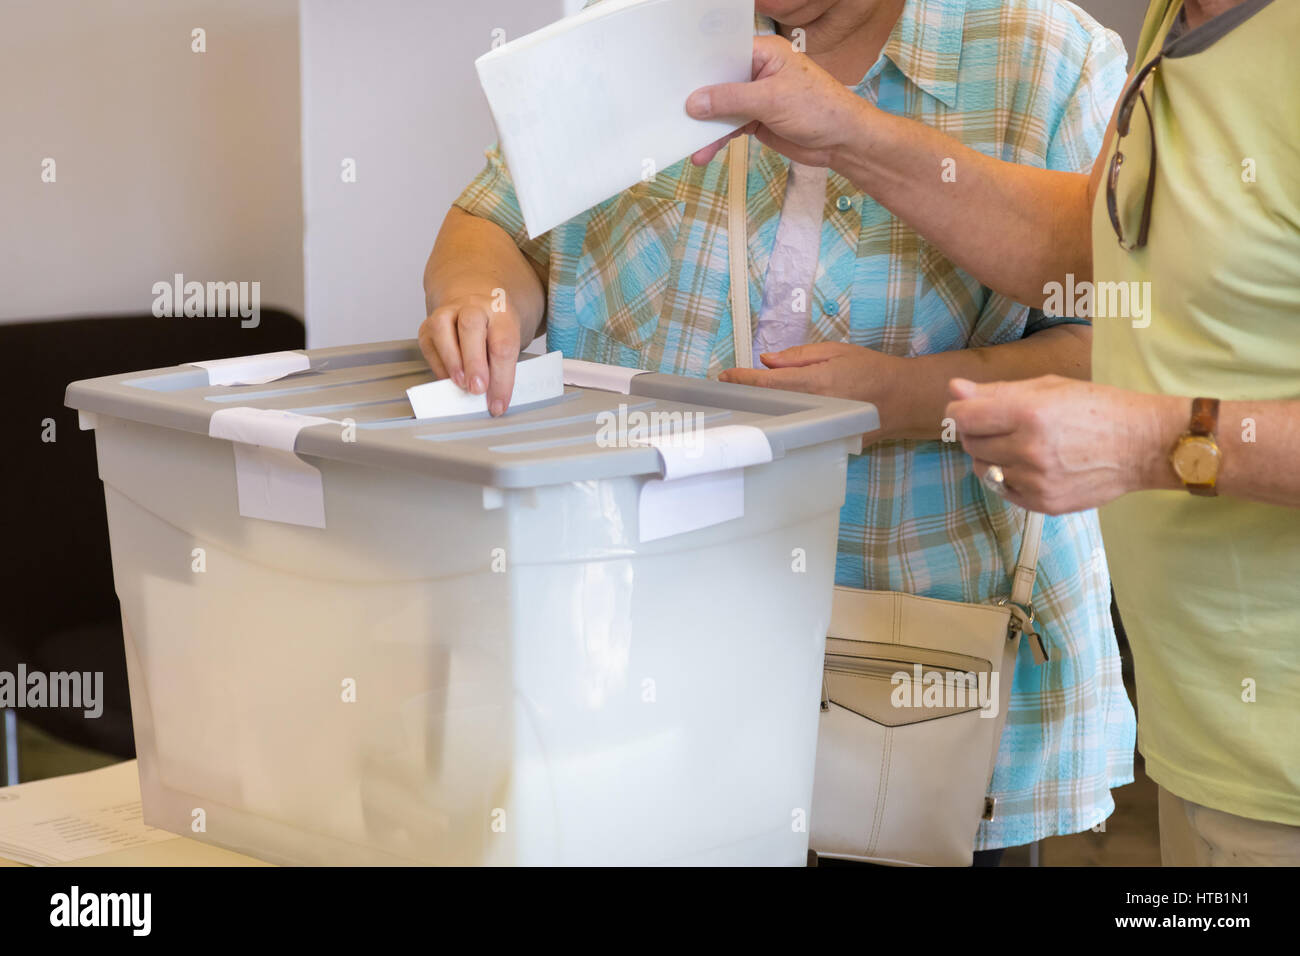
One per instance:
(1022, 582)
(738, 250)
(1022, 587)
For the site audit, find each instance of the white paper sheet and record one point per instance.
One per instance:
(254, 369)
(278, 486)
(69, 818)
(711, 450)
(704, 479)
(609, 378)
(273, 483)
(536, 380)
(666, 508)
(595, 103)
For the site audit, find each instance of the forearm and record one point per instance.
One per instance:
(914, 406)
(1259, 441)
(1014, 228)
(474, 258)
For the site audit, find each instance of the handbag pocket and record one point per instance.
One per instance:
(895, 685)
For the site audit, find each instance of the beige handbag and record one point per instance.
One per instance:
(914, 700)
(915, 691)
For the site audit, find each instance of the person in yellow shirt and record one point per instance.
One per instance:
(1183, 248)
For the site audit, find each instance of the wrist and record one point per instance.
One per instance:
(864, 133)
(1157, 423)
(905, 391)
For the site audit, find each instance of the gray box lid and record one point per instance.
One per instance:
(545, 443)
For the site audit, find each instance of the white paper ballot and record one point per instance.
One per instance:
(595, 103)
(536, 380)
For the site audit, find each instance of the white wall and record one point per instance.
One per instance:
(171, 161)
(1123, 16)
(166, 160)
(391, 85)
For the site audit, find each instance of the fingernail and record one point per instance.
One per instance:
(459, 379)
(699, 104)
(497, 408)
(476, 385)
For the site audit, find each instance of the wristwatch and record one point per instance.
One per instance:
(1196, 456)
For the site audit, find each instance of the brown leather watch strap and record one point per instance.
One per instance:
(1205, 417)
(1205, 422)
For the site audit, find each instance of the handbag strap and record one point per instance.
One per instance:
(1022, 582)
(1022, 586)
(738, 250)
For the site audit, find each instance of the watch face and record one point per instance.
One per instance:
(1196, 460)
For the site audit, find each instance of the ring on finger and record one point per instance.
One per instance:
(994, 480)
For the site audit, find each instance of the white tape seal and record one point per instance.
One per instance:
(704, 479)
(536, 380)
(608, 378)
(273, 483)
(254, 369)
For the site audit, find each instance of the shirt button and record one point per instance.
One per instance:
(844, 204)
(831, 308)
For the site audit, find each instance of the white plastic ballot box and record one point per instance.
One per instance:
(590, 631)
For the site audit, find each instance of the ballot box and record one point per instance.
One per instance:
(589, 631)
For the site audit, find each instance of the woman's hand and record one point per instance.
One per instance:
(824, 368)
(474, 340)
(483, 297)
(791, 105)
(837, 369)
(1064, 445)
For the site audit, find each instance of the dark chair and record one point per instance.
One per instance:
(60, 612)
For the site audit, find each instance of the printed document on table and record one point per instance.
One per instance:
(76, 816)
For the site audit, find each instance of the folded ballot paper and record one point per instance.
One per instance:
(595, 103)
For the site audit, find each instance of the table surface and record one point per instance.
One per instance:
(80, 796)
(179, 852)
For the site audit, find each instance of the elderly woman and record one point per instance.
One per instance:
(891, 316)
(1193, 277)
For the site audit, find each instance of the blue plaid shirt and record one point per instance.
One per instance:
(642, 280)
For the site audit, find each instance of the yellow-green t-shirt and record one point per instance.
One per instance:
(1209, 588)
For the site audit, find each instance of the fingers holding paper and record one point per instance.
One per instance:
(791, 104)
(475, 345)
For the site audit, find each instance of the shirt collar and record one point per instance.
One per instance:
(925, 46)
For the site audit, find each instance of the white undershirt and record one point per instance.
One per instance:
(793, 265)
